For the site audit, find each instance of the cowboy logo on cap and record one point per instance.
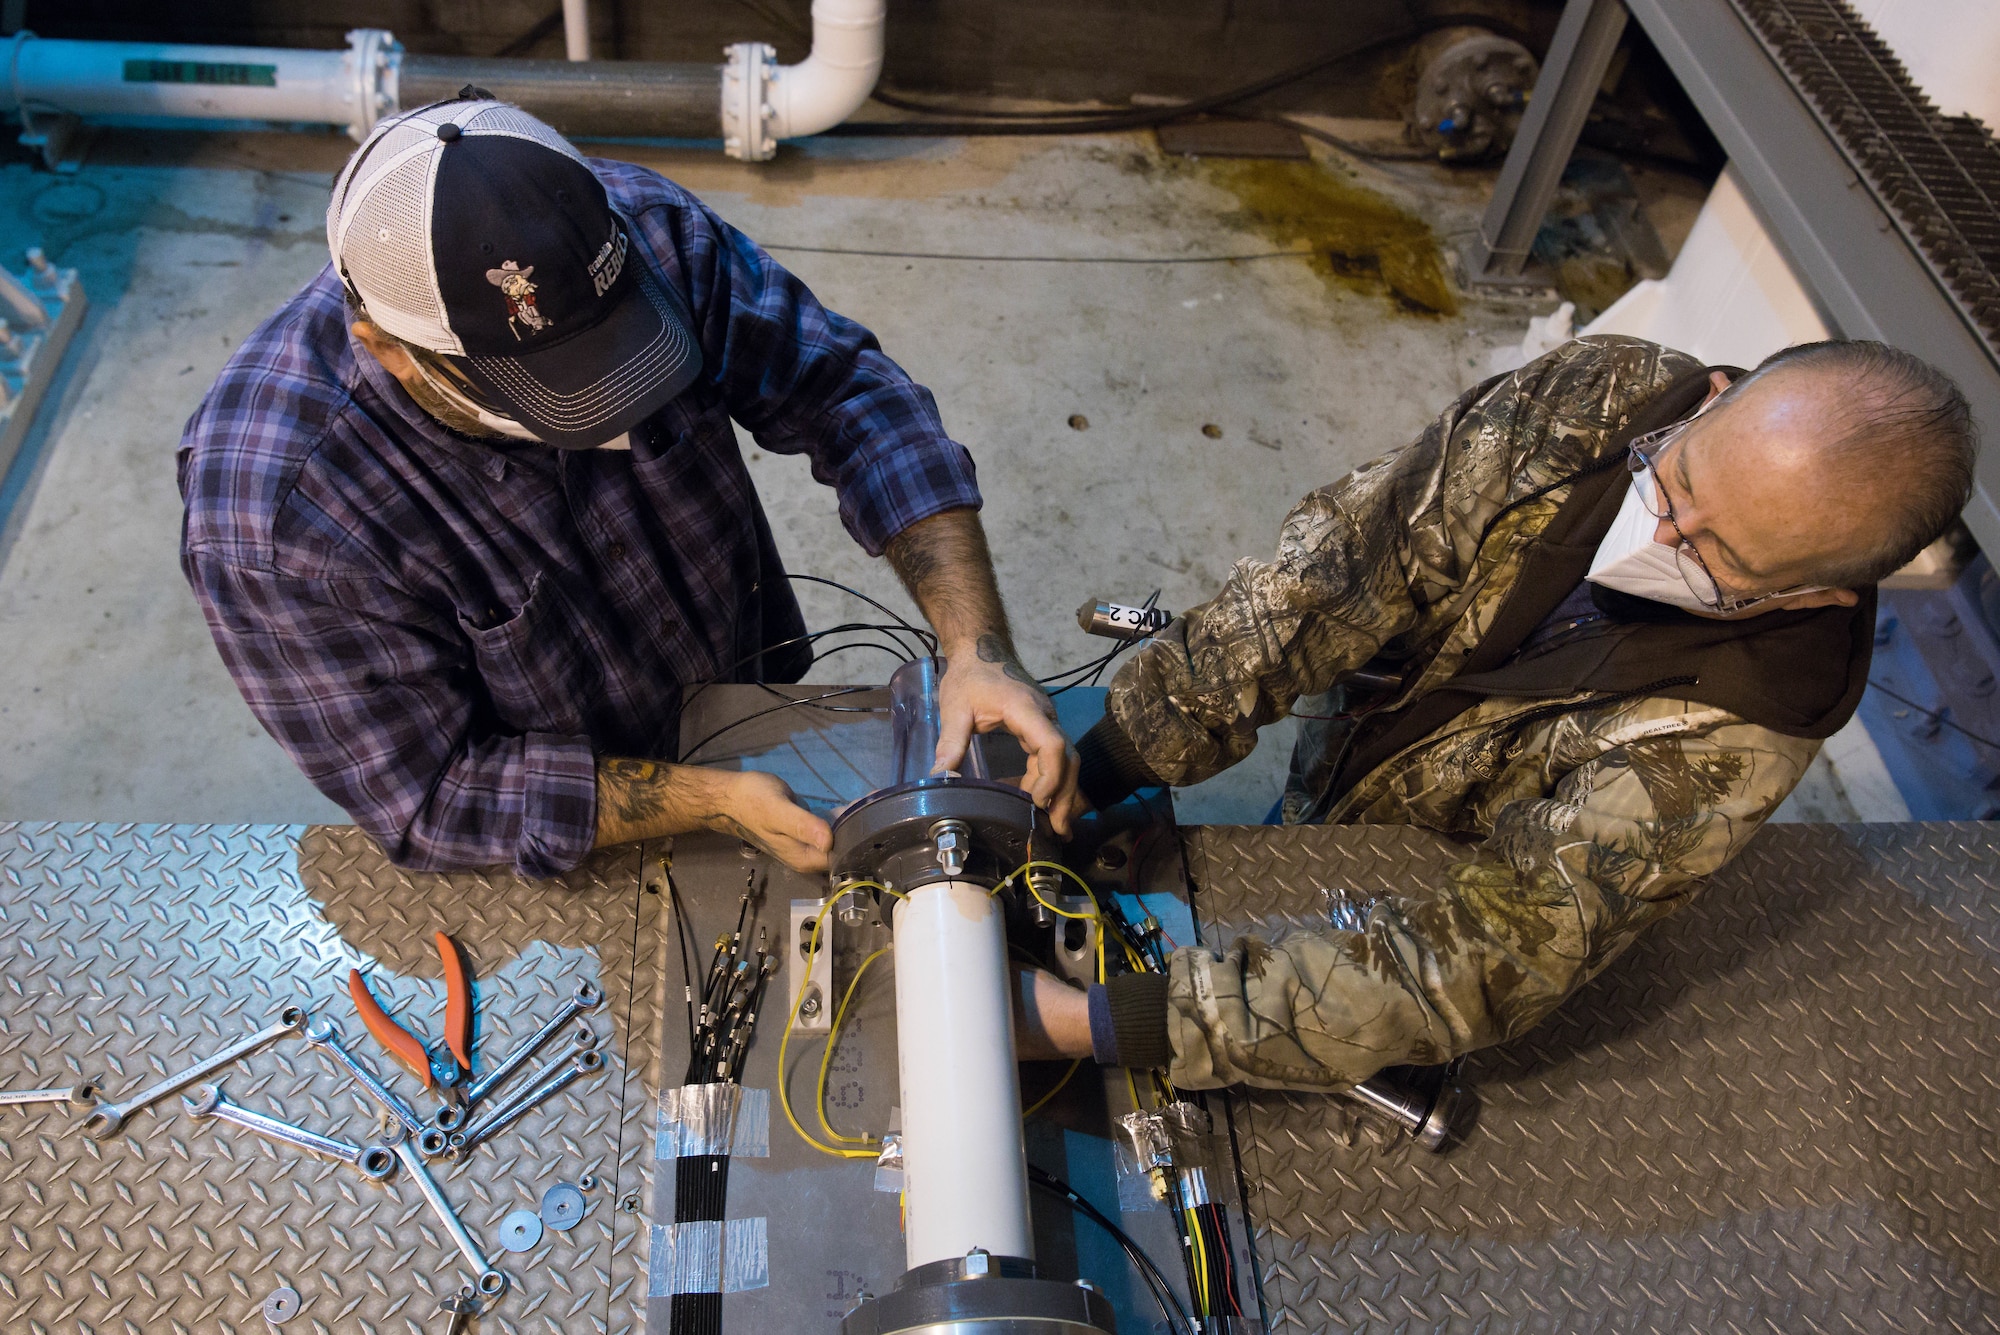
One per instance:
(512, 280)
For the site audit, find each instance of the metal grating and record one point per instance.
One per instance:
(1779, 1112)
(130, 950)
(1938, 176)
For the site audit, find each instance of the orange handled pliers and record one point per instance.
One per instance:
(447, 1069)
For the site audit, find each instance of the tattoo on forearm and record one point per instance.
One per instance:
(631, 791)
(992, 649)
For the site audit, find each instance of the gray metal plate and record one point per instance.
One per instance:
(133, 949)
(1777, 1112)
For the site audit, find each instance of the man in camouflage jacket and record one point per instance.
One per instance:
(1596, 812)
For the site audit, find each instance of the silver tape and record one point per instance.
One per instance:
(709, 1256)
(714, 1119)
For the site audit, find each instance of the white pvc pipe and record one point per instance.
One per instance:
(576, 29)
(835, 78)
(200, 82)
(965, 1177)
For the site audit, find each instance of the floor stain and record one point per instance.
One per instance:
(1359, 239)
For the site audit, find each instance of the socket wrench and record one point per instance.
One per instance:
(104, 1123)
(82, 1096)
(490, 1283)
(374, 1161)
(321, 1034)
(586, 1062)
(450, 1117)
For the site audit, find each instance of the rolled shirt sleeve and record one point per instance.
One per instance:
(369, 695)
(807, 380)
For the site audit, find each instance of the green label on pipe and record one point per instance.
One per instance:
(201, 71)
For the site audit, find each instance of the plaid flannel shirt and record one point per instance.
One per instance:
(444, 634)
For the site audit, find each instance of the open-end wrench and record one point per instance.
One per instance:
(490, 1282)
(584, 1063)
(582, 1039)
(84, 1095)
(105, 1121)
(450, 1117)
(453, 1118)
(374, 1161)
(443, 1135)
(324, 1036)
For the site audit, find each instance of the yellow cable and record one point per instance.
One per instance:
(1042, 1102)
(826, 1057)
(1200, 1257)
(791, 1022)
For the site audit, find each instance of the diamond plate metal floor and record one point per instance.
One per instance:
(131, 951)
(1777, 1113)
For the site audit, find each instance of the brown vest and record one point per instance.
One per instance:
(1798, 672)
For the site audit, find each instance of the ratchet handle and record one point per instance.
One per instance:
(457, 1002)
(398, 1041)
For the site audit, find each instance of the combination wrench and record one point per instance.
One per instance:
(104, 1123)
(374, 1161)
(490, 1282)
(450, 1117)
(586, 1062)
(80, 1096)
(324, 1036)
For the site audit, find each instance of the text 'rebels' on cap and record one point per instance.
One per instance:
(474, 230)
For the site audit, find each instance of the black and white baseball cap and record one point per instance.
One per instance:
(474, 230)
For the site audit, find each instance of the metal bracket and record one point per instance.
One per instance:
(58, 135)
(1585, 41)
(815, 1014)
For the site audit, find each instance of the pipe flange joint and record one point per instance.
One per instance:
(747, 71)
(373, 65)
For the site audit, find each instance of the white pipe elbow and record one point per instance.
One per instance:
(764, 102)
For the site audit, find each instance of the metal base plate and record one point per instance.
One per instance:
(134, 949)
(1777, 1111)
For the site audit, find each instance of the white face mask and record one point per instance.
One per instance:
(1629, 561)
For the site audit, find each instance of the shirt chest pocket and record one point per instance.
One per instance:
(534, 666)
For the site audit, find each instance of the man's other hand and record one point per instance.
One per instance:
(985, 687)
(646, 799)
(761, 809)
(1051, 1018)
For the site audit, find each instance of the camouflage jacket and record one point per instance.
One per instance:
(1591, 823)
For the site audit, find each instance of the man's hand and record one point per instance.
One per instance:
(944, 563)
(985, 687)
(646, 799)
(1051, 1018)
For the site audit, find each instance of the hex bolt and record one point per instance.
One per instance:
(587, 1062)
(375, 1162)
(491, 1282)
(84, 1095)
(104, 1123)
(324, 1036)
(587, 996)
(952, 840)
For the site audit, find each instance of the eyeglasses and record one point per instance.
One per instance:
(1700, 580)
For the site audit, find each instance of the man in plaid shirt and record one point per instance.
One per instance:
(467, 513)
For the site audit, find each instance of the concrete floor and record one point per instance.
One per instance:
(1085, 282)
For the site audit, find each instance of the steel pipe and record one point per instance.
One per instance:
(627, 99)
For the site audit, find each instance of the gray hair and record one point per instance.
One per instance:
(1903, 418)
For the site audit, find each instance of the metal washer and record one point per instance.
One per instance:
(562, 1207)
(281, 1305)
(520, 1230)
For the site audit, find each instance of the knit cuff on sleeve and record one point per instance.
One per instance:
(1109, 769)
(1128, 1021)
